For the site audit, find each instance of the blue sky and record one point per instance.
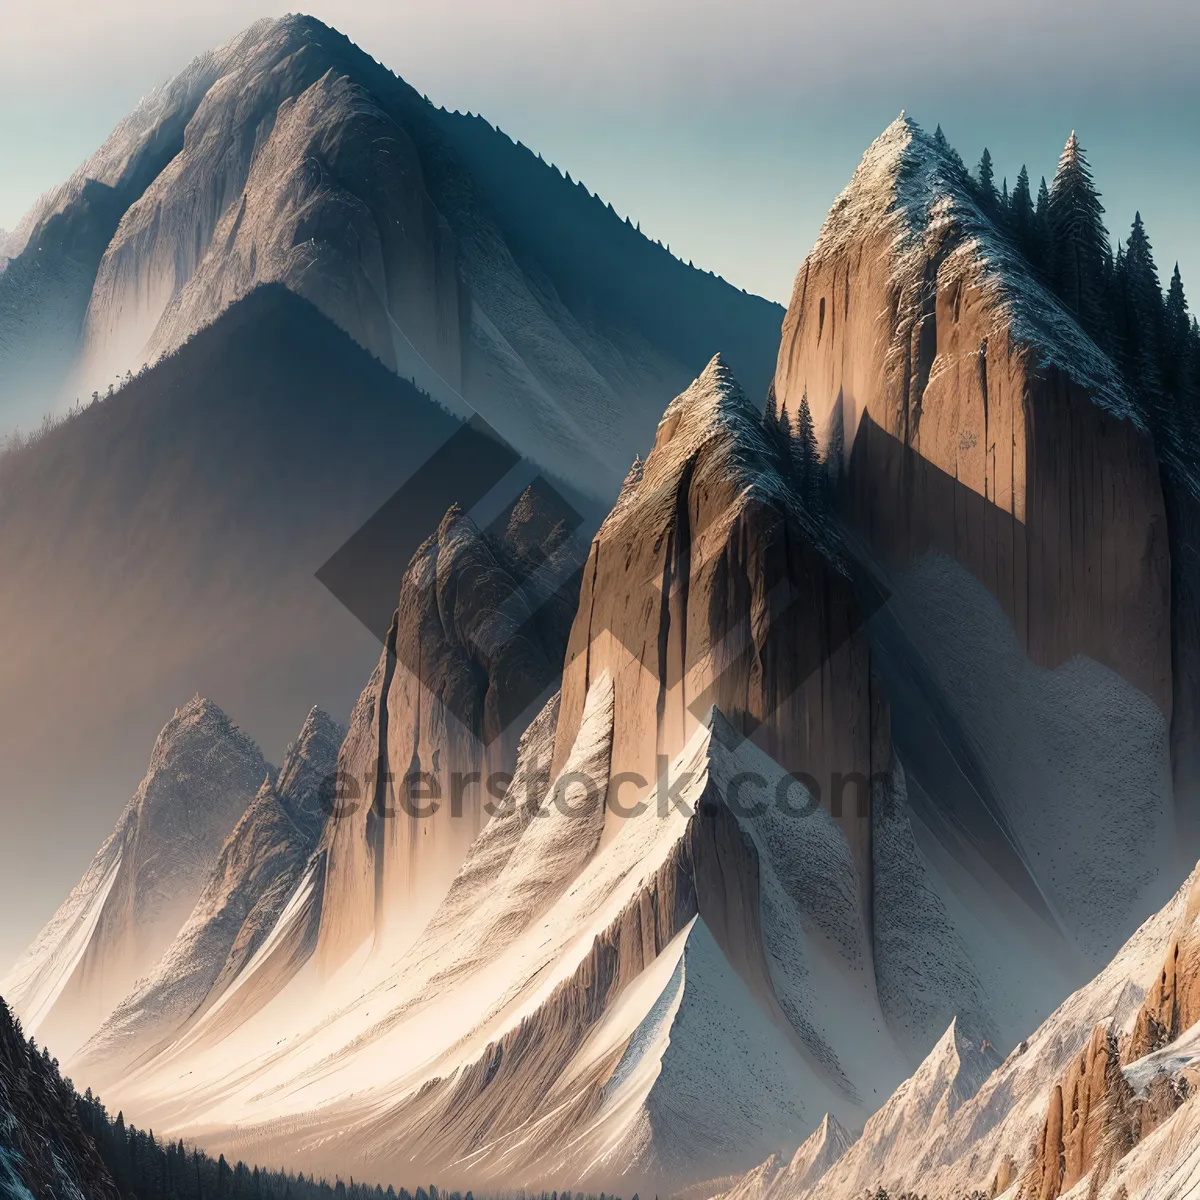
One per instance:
(725, 128)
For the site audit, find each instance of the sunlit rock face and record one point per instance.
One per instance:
(711, 583)
(1005, 494)
(976, 419)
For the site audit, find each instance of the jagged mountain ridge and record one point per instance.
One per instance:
(809, 969)
(844, 949)
(203, 774)
(252, 881)
(193, 509)
(672, 943)
(453, 255)
(1084, 1106)
(474, 650)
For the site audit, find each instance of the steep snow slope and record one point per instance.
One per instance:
(143, 881)
(255, 876)
(649, 1001)
(1129, 1129)
(457, 258)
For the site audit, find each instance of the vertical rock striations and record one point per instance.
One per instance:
(711, 584)
(979, 420)
(472, 653)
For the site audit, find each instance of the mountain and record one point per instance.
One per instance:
(861, 766)
(202, 776)
(251, 884)
(1002, 487)
(43, 1149)
(607, 974)
(1084, 1106)
(456, 257)
(287, 234)
(778, 1176)
(474, 650)
(476, 640)
(193, 509)
(739, 944)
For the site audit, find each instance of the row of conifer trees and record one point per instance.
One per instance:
(1116, 295)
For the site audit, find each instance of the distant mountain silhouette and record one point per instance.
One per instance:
(165, 540)
(454, 255)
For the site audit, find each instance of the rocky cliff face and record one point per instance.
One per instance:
(711, 583)
(254, 878)
(978, 420)
(473, 650)
(144, 880)
(1008, 500)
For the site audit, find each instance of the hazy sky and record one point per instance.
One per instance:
(725, 128)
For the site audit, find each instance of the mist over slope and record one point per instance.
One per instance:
(165, 542)
(456, 257)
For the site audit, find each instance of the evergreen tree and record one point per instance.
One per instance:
(1041, 240)
(985, 184)
(804, 453)
(1176, 340)
(1004, 196)
(1143, 319)
(1079, 240)
(1021, 215)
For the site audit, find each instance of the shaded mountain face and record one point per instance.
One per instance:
(43, 1148)
(202, 776)
(456, 257)
(171, 537)
(252, 882)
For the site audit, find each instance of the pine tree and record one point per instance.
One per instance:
(1004, 196)
(986, 183)
(1143, 319)
(1041, 240)
(1079, 239)
(804, 453)
(1021, 215)
(1176, 339)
